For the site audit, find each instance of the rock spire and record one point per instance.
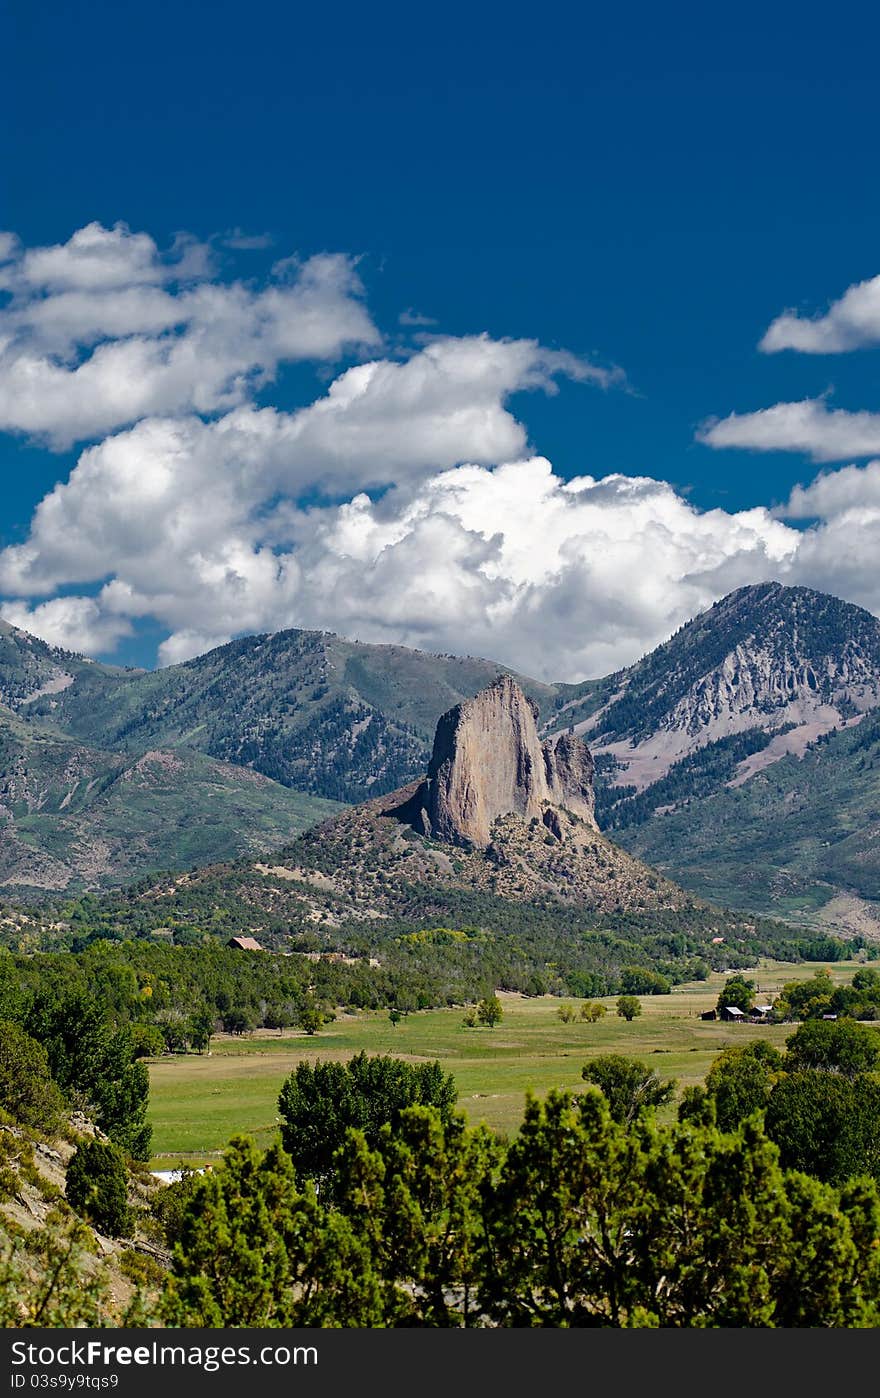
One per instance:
(488, 761)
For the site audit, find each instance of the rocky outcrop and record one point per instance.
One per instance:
(488, 761)
(569, 767)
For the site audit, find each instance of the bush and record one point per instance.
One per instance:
(489, 1011)
(27, 1091)
(97, 1187)
(319, 1104)
(142, 1270)
(172, 1202)
(592, 1011)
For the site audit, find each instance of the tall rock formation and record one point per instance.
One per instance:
(488, 761)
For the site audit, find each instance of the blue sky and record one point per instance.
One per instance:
(649, 190)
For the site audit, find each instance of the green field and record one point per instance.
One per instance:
(197, 1103)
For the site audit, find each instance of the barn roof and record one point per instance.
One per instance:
(244, 944)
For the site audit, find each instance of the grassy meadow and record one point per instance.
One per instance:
(198, 1102)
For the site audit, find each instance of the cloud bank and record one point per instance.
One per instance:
(851, 323)
(105, 329)
(404, 504)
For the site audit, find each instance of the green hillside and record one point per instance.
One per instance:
(800, 839)
(330, 719)
(33, 673)
(327, 716)
(74, 817)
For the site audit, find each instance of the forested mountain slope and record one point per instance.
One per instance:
(306, 708)
(741, 691)
(800, 839)
(79, 817)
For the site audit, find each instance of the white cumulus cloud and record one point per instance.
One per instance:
(835, 493)
(105, 329)
(186, 487)
(405, 503)
(76, 623)
(810, 426)
(560, 579)
(851, 323)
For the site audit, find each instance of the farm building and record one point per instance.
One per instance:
(708, 1014)
(244, 944)
(732, 1014)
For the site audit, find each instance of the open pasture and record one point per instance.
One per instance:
(197, 1103)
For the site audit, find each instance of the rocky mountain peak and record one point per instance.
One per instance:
(785, 661)
(488, 761)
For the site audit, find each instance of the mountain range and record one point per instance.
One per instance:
(739, 757)
(489, 869)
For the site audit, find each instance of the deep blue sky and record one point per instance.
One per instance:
(653, 185)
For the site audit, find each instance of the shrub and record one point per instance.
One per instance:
(27, 1091)
(593, 1011)
(97, 1187)
(171, 1204)
(489, 1011)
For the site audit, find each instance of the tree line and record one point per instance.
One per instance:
(382, 1207)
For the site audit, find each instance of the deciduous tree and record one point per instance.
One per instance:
(737, 992)
(490, 1011)
(740, 1080)
(627, 1085)
(833, 1046)
(318, 1104)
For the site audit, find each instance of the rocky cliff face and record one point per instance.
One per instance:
(569, 767)
(488, 761)
(765, 658)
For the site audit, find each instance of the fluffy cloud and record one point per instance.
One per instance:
(187, 487)
(380, 510)
(810, 426)
(104, 329)
(76, 623)
(507, 561)
(216, 517)
(198, 526)
(94, 259)
(835, 493)
(850, 323)
(514, 563)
